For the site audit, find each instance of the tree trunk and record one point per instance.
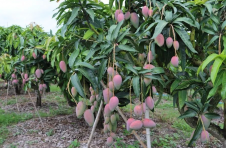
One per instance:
(18, 89)
(39, 99)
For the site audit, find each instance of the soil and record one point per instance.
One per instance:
(60, 131)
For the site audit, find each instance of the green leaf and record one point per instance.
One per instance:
(158, 29)
(212, 91)
(186, 39)
(208, 60)
(211, 41)
(116, 30)
(89, 75)
(208, 30)
(74, 13)
(174, 85)
(212, 115)
(91, 13)
(76, 83)
(111, 3)
(182, 96)
(186, 20)
(102, 69)
(223, 90)
(209, 7)
(121, 36)
(168, 16)
(130, 67)
(88, 34)
(63, 30)
(136, 86)
(196, 134)
(73, 57)
(188, 114)
(215, 68)
(84, 64)
(90, 54)
(223, 25)
(127, 48)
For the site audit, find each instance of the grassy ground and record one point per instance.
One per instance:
(9, 117)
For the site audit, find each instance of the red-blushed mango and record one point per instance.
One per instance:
(63, 66)
(92, 92)
(80, 109)
(105, 128)
(150, 57)
(145, 11)
(148, 123)
(210, 68)
(150, 12)
(159, 40)
(114, 127)
(110, 71)
(175, 61)
(44, 86)
(34, 55)
(97, 97)
(205, 121)
(13, 76)
(42, 71)
(141, 56)
(43, 56)
(23, 58)
(111, 85)
(90, 88)
(128, 122)
(25, 76)
(95, 104)
(107, 94)
(107, 119)
(149, 102)
(107, 110)
(113, 135)
(120, 17)
(169, 42)
(73, 91)
(134, 19)
(113, 119)
(40, 87)
(92, 99)
(38, 73)
(127, 15)
(136, 125)
(204, 136)
(117, 80)
(138, 110)
(148, 66)
(24, 81)
(15, 81)
(113, 103)
(109, 141)
(154, 91)
(89, 117)
(143, 107)
(92, 109)
(176, 45)
(117, 12)
(147, 81)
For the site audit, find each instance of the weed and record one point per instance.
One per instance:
(50, 132)
(10, 118)
(74, 144)
(120, 144)
(4, 132)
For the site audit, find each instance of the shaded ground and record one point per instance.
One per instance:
(62, 127)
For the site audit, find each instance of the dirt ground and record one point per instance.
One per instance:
(60, 130)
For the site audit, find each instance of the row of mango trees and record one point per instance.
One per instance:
(113, 53)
